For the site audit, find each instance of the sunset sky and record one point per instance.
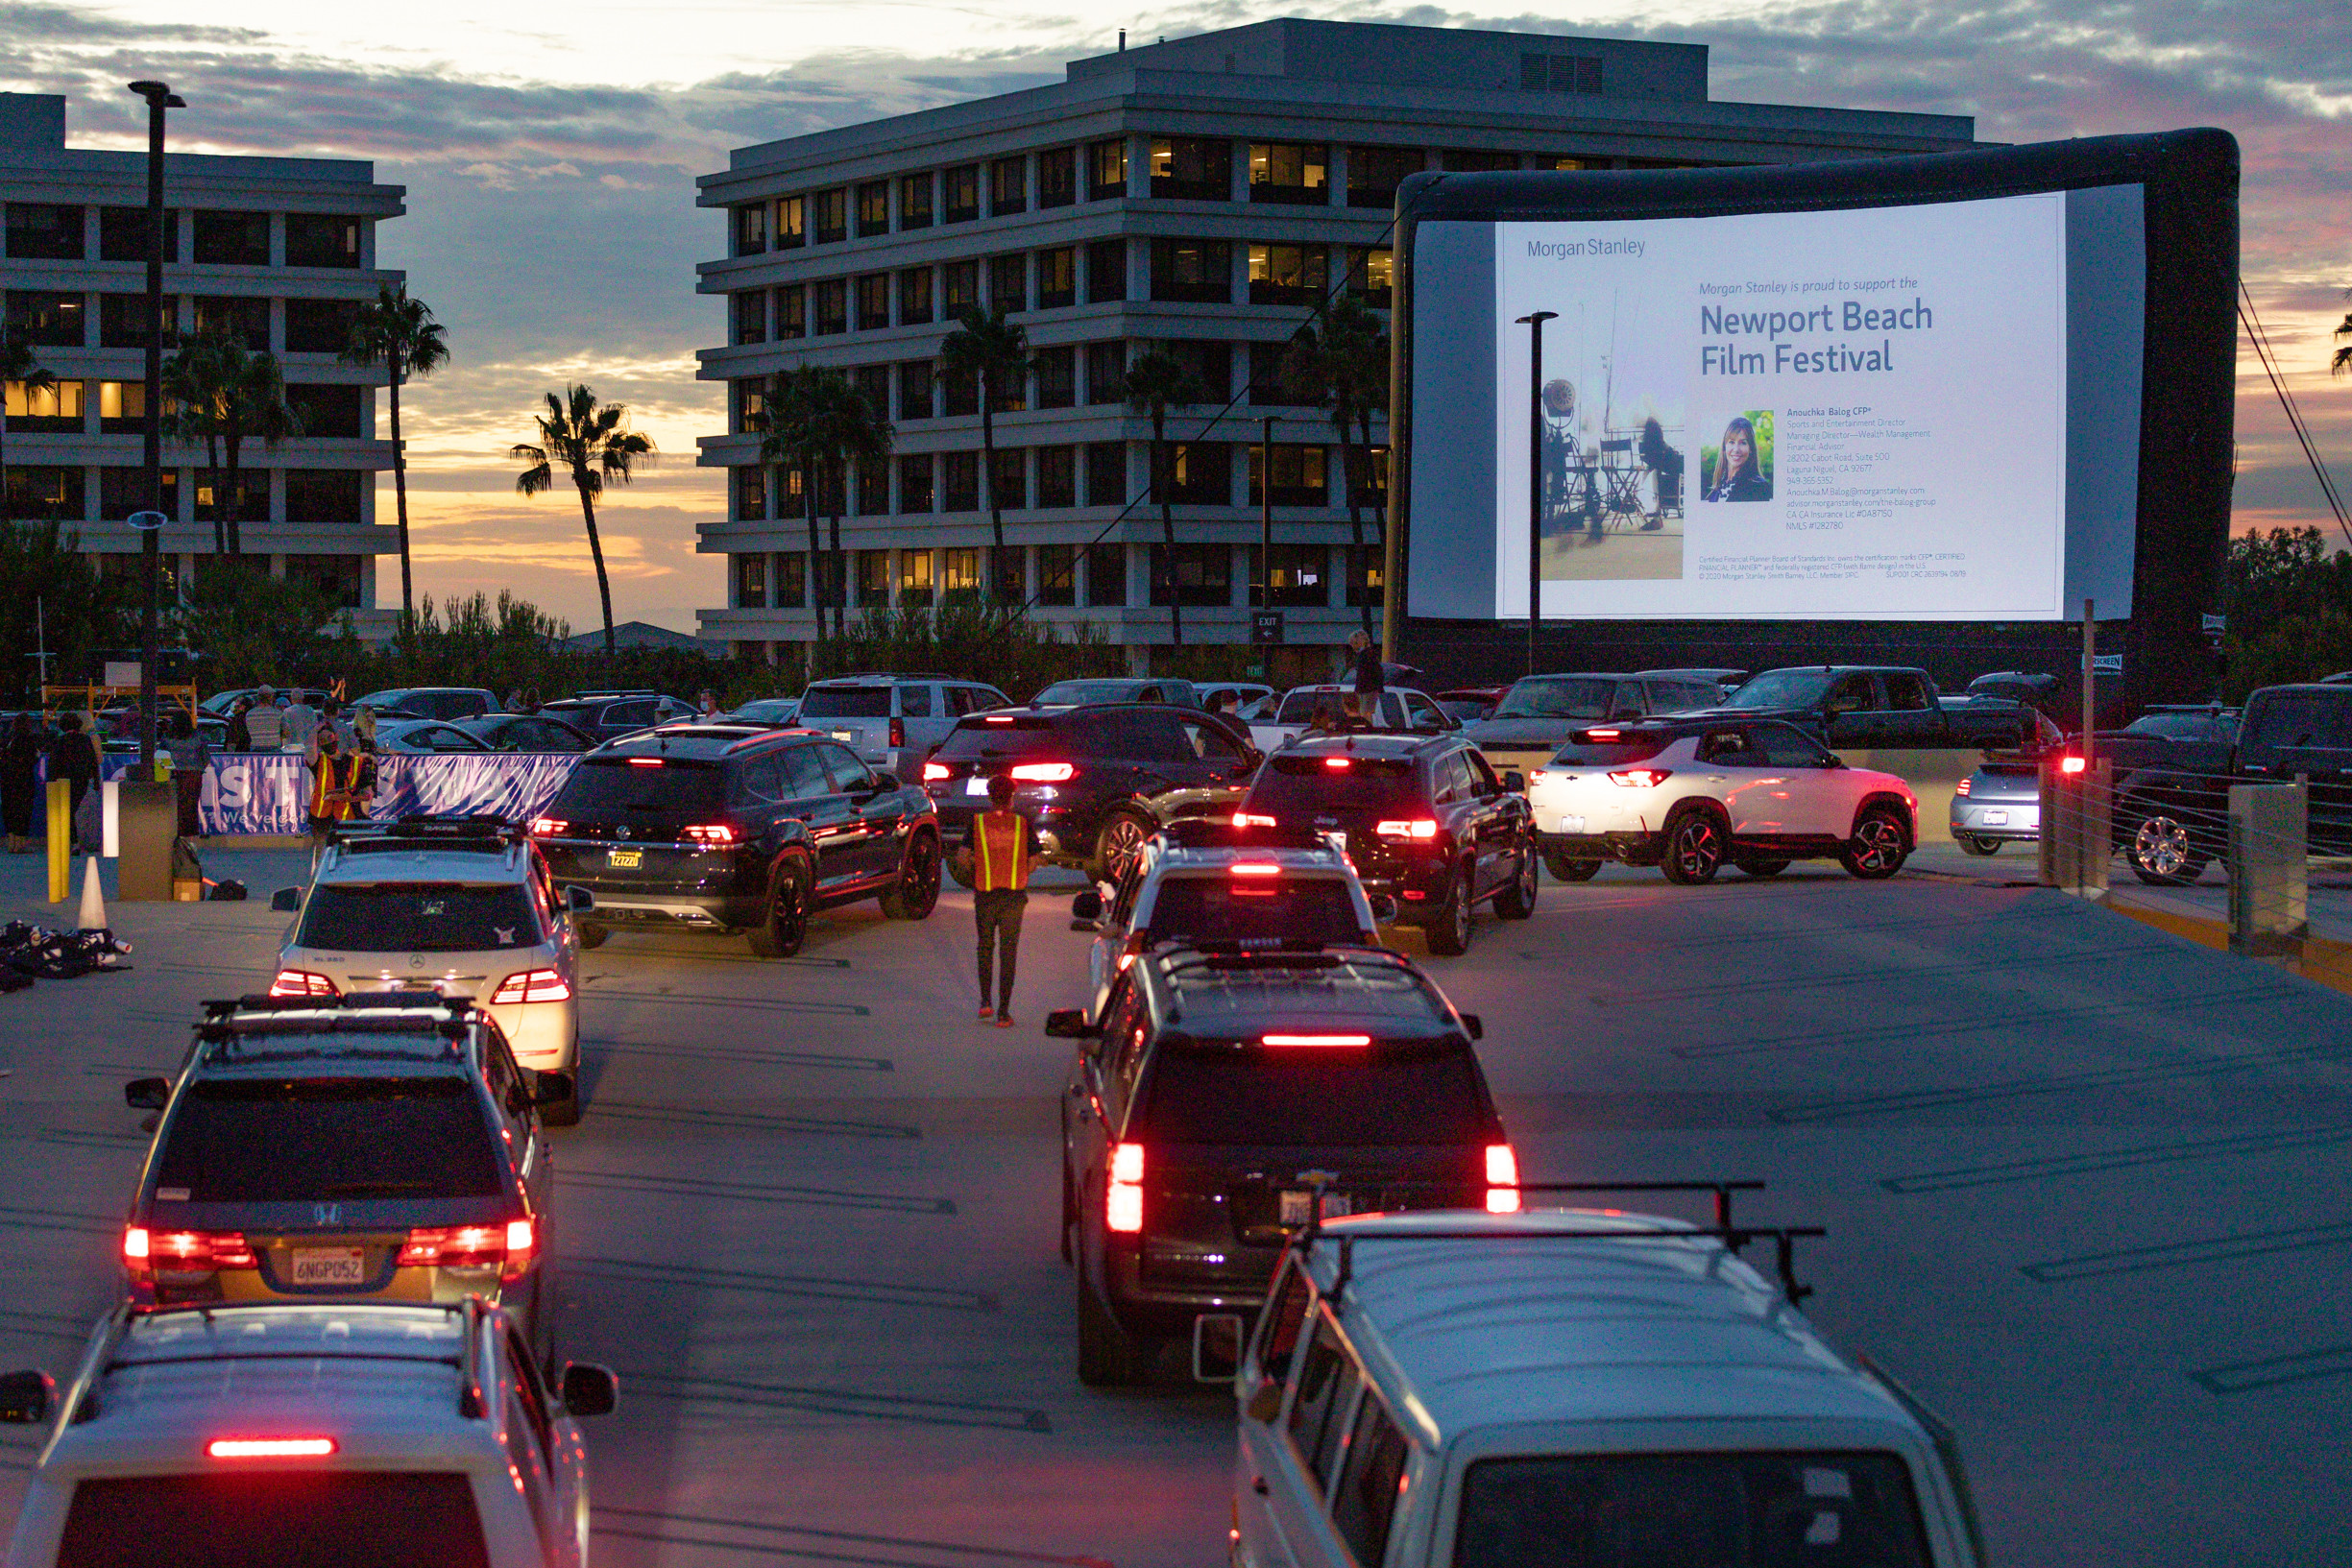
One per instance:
(550, 183)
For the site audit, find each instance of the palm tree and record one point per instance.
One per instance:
(791, 433)
(861, 433)
(994, 353)
(1155, 380)
(816, 421)
(252, 406)
(2342, 358)
(194, 390)
(400, 334)
(594, 444)
(1345, 370)
(18, 366)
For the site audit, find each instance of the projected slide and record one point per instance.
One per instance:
(1787, 414)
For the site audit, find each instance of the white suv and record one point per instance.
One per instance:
(362, 1437)
(1688, 795)
(462, 906)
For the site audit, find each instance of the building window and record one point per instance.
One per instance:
(915, 568)
(873, 301)
(1106, 575)
(52, 410)
(873, 578)
(1197, 271)
(50, 320)
(313, 326)
(1192, 168)
(1547, 160)
(336, 577)
(53, 494)
(750, 227)
(232, 239)
(960, 481)
(961, 198)
(122, 234)
(1301, 579)
(1191, 574)
(873, 496)
(1057, 377)
(1007, 187)
(914, 201)
(959, 288)
(751, 582)
(1370, 484)
(1201, 473)
(1268, 387)
(1009, 479)
(251, 503)
(122, 491)
(122, 408)
(873, 384)
(831, 215)
(321, 239)
(1057, 476)
(791, 585)
(958, 394)
(750, 402)
(331, 411)
(1373, 172)
(749, 306)
(1288, 275)
(1106, 170)
(1057, 277)
(1477, 161)
(914, 390)
(1105, 271)
(792, 311)
(1299, 478)
(324, 494)
(791, 222)
(1210, 362)
(1371, 272)
(751, 492)
(1057, 575)
(1106, 374)
(1056, 177)
(239, 316)
(873, 209)
(1366, 563)
(1292, 173)
(832, 305)
(832, 489)
(1106, 474)
(1008, 281)
(1560, 73)
(959, 573)
(38, 231)
(914, 483)
(914, 306)
(122, 320)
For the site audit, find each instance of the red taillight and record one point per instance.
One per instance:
(716, 834)
(549, 826)
(1315, 1039)
(1254, 868)
(1600, 735)
(1502, 1179)
(645, 761)
(1252, 819)
(898, 732)
(1961, 788)
(998, 718)
(1420, 828)
(184, 1251)
(1044, 772)
(933, 772)
(1123, 1210)
(522, 1240)
(2071, 764)
(301, 983)
(533, 985)
(1640, 777)
(270, 1448)
(136, 1244)
(1342, 763)
(472, 1246)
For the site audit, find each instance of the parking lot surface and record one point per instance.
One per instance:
(2083, 1183)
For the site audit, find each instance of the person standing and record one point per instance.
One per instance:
(265, 723)
(240, 739)
(74, 758)
(998, 848)
(341, 788)
(705, 706)
(20, 782)
(302, 725)
(1368, 677)
(191, 754)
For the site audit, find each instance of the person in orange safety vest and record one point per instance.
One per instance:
(999, 849)
(342, 785)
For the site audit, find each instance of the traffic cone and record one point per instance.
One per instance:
(93, 916)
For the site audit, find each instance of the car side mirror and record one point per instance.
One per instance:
(1265, 1403)
(1217, 1348)
(883, 781)
(26, 1398)
(147, 1094)
(1834, 761)
(1087, 909)
(1473, 1025)
(589, 1390)
(552, 1088)
(1384, 909)
(1515, 781)
(286, 900)
(579, 900)
(1070, 1024)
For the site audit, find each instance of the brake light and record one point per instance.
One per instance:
(301, 983)
(714, 834)
(1342, 763)
(1640, 777)
(1502, 1179)
(1342, 1040)
(270, 1448)
(522, 1240)
(1252, 819)
(136, 1244)
(996, 718)
(1254, 868)
(184, 1251)
(1601, 735)
(898, 732)
(549, 826)
(933, 772)
(645, 761)
(1044, 772)
(2070, 765)
(1420, 828)
(1961, 788)
(532, 985)
(1122, 1210)
(472, 1246)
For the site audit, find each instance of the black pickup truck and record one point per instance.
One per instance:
(1884, 706)
(2172, 793)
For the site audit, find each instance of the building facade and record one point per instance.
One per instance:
(1201, 197)
(280, 251)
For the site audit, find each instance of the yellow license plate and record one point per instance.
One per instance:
(627, 859)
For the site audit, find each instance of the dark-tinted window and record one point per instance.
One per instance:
(418, 917)
(1008, 282)
(1057, 378)
(1197, 271)
(1106, 483)
(38, 231)
(1294, 786)
(1106, 375)
(1105, 271)
(302, 1140)
(914, 201)
(1785, 745)
(1106, 170)
(873, 301)
(324, 326)
(1364, 1498)
(122, 320)
(831, 218)
(1009, 186)
(847, 701)
(961, 196)
(2300, 720)
(873, 209)
(750, 229)
(1057, 476)
(914, 297)
(212, 1519)
(328, 409)
(1316, 1095)
(122, 234)
(959, 287)
(603, 791)
(1022, 738)
(1057, 277)
(323, 494)
(46, 319)
(1323, 1380)
(832, 305)
(1573, 697)
(232, 239)
(321, 239)
(1192, 168)
(1106, 563)
(1057, 177)
(242, 316)
(1228, 907)
(1373, 172)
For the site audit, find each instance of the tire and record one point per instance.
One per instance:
(2162, 854)
(1694, 848)
(1761, 869)
(592, 937)
(566, 1112)
(1108, 1356)
(785, 926)
(1983, 848)
(961, 871)
(1879, 847)
(1566, 869)
(1448, 931)
(1116, 843)
(1069, 1219)
(916, 892)
(1517, 899)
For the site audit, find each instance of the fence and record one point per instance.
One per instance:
(267, 793)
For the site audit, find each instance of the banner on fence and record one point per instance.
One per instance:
(268, 792)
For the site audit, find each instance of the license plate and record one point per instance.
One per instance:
(1994, 819)
(627, 859)
(976, 784)
(847, 737)
(1570, 825)
(1297, 1207)
(329, 1266)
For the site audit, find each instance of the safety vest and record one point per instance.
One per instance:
(334, 772)
(1000, 851)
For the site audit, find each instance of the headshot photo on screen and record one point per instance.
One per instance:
(1739, 467)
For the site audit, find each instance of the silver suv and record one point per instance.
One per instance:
(892, 722)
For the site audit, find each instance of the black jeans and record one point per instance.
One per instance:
(998, 917)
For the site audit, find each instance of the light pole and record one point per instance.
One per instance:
(1265, 530)
(1533, 324)
(160, 97)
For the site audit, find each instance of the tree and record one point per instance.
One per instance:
(1155, 381)
(993, 353)
(791, 429)
(862, 434)
(593, 445)
(20, 366)
(195, 380)
(53, 595)
(253, 407)
(1343, 370)
(400, 334)
(2342, 360)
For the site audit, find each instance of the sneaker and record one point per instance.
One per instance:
(1003, 1021)
(987, 1013)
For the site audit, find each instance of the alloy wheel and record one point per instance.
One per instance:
(1877, 844)
(2162, 845)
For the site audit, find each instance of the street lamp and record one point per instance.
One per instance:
(160, 97)
(1533, 324)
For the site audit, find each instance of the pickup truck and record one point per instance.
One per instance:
(2171, 794)
(1881, 707)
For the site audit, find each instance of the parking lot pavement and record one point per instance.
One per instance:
(2082, 1182)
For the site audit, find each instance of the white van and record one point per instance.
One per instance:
(1584, 1387)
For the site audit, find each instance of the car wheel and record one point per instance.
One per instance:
(1116, 845)
(1879, 846)
(1761, 869)
(1976, 846)
(1694, 848)
(786, 924)
(592, 937)
(1108, 1356)
(2163, 854)
(1517, 899)
(565, 1112)
(1448, 931)
(1566, 869)
(916, 892)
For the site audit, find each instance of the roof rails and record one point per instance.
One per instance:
(426, 825)
(885, 675)
(225, 1008)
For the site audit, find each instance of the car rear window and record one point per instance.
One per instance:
(2320, 720)
(1025, 734)
(1246, 908)
(847, 701)
(1306, 1095)
(1084, 692)
(1724, 1510)
(1293, 783)
(1540, 698)
(1610, 753)
(286, 1518)
(418, 917)
(306, 1140)
(604, 788)
(1298, 708)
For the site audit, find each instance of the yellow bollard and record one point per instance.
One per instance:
(60, 839)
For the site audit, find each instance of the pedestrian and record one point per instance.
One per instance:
(74, 758)
(1352, 716)
(514, 700)
(20, 782)
(530, 699)
(1224, 707)
(997, 851)
(1324, 720)
(191, 754)
(363, 730)
(1363, 663)
(705, 706)
(265, 722)
(302, 725)
(341, 788)
(333, 715)
(240, 738)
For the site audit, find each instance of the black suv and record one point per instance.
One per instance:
(1429, 822)
(609, 715)
(1096, 782)
(1226, 1095)
(738, 827)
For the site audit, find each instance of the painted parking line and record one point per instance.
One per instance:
(2192, 1067)
(2115, 1159)
(1896, 1033)
(2141, 1260)
(758, 1004)
(758, 1058)
(809, 1543)
(737, 1394)
(810, 1287)
(690, 1116)
(2272, 1372)
(740, 1191)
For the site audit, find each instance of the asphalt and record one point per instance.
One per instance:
(2083, 1184)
